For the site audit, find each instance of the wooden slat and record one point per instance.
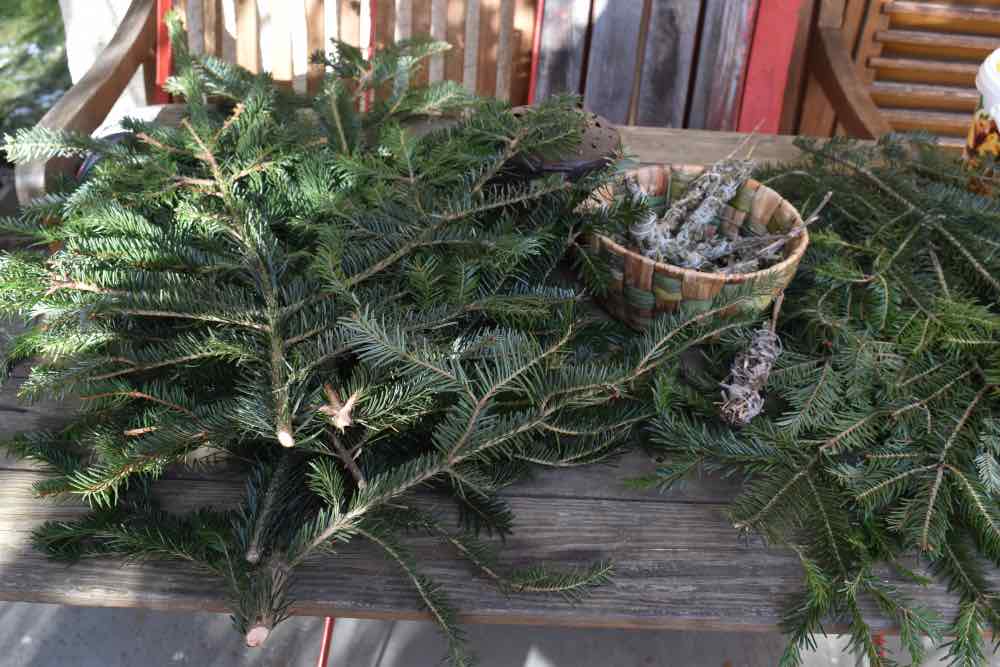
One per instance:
(936, 122)
(668, 63)
(940, 72)
(420, 26)
(505, 49)
(315, 41)
(816, 107)
(936, 44)
(439, 31)
(726, 30)
(611, 61)
(678, 565)
(248, 35)
(213, 26)
(385, 22)
(795, 86)
(561, 57)
(944, 17)
(349, 19)
(281, 41)
(454, 60)
(470, 66)
(195, 22)
(524, 33)
(924, 96)
(487, 46)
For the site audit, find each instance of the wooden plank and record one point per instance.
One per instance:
(938, 72)
(795, 87)
(770, 59)
(281, 42)
(349, 19)
(727, 26)
(439, 32)
(213, 26)
(611, 62)
(678, 566)
(924, 96)
(656, 145)
(971, 19)
(195, 22)
(471, 52)
(248, 35)
(668, 63)
(524, 33)
(563, 42)
(936, 122)
(454, 60)
(938, 45)
(315, 41)
(851, 21)
(420, 26)
(505, 50)
(487, 46)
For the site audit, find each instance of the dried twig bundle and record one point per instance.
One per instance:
(742, 399)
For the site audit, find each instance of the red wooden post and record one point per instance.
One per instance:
(164, 56)
(767, 72)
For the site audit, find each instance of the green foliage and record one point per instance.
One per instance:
(879, 436)
(346, 306)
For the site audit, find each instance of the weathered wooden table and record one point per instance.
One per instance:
(679, 563)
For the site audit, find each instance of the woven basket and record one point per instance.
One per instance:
(641, 287)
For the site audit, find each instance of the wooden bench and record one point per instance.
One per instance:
(679, 562)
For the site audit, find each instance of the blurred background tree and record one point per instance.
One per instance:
(33, 68)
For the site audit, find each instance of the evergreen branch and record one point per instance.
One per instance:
(942, 466)
(142, 368)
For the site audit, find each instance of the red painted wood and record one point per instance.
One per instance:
(536, 48)
(164, 55)
(767, 71)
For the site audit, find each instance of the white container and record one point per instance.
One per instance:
(988, 84)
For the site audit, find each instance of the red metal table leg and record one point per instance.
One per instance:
(324, 648)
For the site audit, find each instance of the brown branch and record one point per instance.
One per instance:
(347, 459)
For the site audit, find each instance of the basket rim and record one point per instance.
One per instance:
(798, 247)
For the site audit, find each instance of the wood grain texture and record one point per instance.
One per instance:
(281, 41)
(420, 26)
(505, 50)
(561, 57)
(611, 61)
(349, 19)
(248, 35)
(213, 26)
(454, 59)
(438, 31)
(524, 34)
(487, 46)
(315, 41)
(678, 565)
(836, 74)
(796, 85)
(727, 26)
(669, 63)
(470, 55)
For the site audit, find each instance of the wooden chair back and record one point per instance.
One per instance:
(491, 39)
(917, 59)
